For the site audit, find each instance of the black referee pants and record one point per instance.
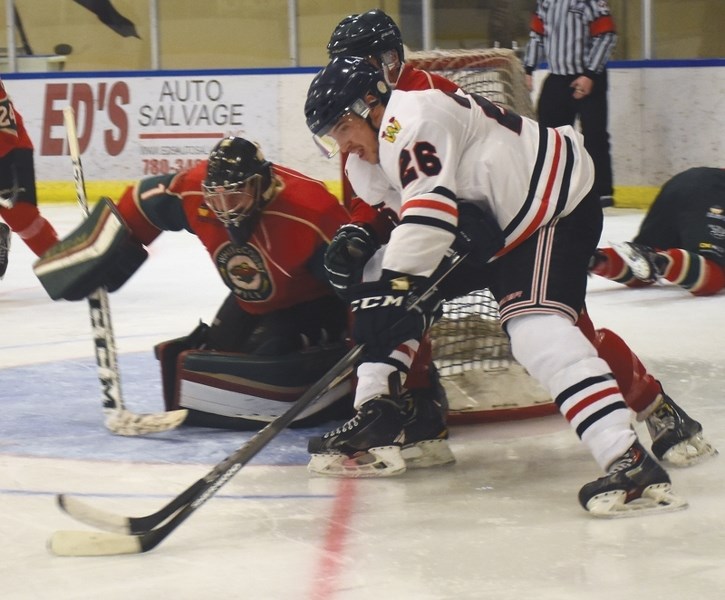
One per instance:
(558, 107)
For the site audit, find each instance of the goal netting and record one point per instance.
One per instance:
(471, 351)
(496, 73)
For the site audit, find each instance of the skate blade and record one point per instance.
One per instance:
(690, 452)
(427, 453)
(384, 461)
(656, 498)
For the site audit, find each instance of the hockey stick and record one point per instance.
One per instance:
(134, 535)
(117, 419)
(137, 534)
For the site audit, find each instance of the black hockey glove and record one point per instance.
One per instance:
(345, 258)
(479, 235)
(386, 313)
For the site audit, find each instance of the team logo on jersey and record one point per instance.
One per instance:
(392, 130)
(243, 270)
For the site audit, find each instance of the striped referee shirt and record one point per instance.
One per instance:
(577, 36)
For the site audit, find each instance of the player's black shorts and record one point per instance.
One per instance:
(17, 175)
(545, 274)
(689, 213)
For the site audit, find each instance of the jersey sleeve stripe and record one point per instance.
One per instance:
(444, 191)
(428, 221)
(434, 205)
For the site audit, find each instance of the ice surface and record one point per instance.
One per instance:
(501, 524)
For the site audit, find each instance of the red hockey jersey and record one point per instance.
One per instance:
(275, 268)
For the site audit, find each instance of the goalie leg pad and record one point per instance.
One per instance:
(101, 252)
(245, 392)
(167, 353)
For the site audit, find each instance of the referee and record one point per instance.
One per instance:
(577, 37)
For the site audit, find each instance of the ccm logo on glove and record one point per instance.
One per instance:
(376, 302)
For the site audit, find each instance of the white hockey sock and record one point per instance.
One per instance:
(557, 354)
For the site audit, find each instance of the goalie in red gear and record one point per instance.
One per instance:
(18, 200)
(265, 228)
(681, 239)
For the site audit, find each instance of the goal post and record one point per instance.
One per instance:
(482, 380)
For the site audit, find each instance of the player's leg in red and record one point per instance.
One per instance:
(20, 210)
(607, 263)
(698, 275)
(638, 265)
(676, 437)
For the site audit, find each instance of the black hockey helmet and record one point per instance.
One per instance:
(367, 34)
(342, 87)
(238, 180)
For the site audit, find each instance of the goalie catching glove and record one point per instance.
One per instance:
(391, 311)
(101, 252)
(353, 245)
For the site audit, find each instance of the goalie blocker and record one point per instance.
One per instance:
(246, 391)
(101, 252)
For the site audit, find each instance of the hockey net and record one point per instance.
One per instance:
(471, 351)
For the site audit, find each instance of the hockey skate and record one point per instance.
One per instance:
(368, 445)
(4, 248)
(645, 264)
(426, 433)
(676, 437)
(634, 485)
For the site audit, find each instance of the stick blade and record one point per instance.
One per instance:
(93, 543)
(85, 513)
(124, 422)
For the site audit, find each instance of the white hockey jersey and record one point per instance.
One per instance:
(437, 147)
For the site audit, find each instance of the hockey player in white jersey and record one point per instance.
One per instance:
(517, 197)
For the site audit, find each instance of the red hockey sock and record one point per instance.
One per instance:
(693, 272)
(639, 388)
(25, 220)
(608, 264)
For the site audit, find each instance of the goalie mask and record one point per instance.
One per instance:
(371, 34)
(346, 86)
(238, 183)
